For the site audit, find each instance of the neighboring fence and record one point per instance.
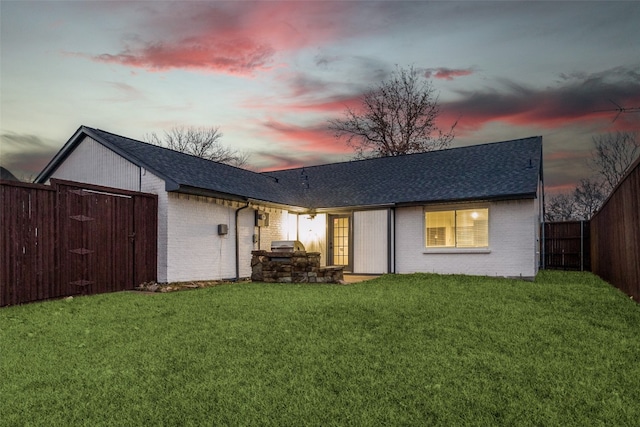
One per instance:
(615, 232)
(567, 245)
(70, 239)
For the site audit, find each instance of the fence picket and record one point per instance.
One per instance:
(37, 262)
(616, 235)
(567, 245)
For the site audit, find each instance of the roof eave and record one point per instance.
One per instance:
(60, 156)
(498, 198)
(197, 191)
(504, 197)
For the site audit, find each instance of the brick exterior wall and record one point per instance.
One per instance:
(277, 229)
(149, 183)
(513, 245)
(195, 250)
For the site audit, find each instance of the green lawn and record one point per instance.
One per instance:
(398, 350)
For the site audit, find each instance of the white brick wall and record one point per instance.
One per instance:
(277, 229)
(195, 251)
(312, 233)
(149, 183)
(512, 243)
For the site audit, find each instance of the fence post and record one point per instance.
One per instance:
(544, 244)
(582, 245)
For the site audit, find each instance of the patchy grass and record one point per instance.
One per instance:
(399, 350)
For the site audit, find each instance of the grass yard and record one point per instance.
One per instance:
(399, 350)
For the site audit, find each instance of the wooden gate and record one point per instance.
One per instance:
(96, 236)
(85, 240)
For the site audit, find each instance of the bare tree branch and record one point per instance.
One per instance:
(588, 197)
(201, 142)
(560, 207)
(613, 154)
(398, 117)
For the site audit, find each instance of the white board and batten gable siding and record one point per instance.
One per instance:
(512, 249)
(93, 163)
(371, 242)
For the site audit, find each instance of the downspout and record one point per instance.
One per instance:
(389, 243)
(543, 242)
(395, 247)
(238, 242)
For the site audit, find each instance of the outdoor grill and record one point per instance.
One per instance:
(287, 246)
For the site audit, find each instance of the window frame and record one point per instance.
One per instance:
(455, 249)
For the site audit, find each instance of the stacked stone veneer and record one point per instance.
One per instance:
(292, 267)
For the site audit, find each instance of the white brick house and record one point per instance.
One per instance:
(472, 210)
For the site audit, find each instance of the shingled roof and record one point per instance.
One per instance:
(502, 170)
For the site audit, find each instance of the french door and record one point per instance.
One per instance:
(340, 240)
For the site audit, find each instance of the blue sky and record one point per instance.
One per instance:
(271, 74)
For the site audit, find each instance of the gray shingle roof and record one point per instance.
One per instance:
(187, 173)
(507, 169)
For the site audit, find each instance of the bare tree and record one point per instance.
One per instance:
(613, 155)
(560, 207)
(588, 197)
(199, 141)
(398, 117)
(579, 204)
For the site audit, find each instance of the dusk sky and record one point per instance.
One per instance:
(271, 74)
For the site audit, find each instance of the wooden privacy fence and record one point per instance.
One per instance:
(615, 235)
(567, 245)
(74, 239)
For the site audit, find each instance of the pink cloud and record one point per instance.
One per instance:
(317, 138)
(552, 190)
(582, 102)
(235, 37)
(446, 73)
(336, 104)
(333, 105)
(239, 56)
(279, 162)
(567, 155)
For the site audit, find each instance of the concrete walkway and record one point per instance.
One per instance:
(355, 278)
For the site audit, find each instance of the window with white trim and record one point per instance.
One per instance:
(460, 228)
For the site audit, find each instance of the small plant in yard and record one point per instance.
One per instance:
(398, 350)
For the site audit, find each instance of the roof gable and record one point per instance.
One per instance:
(509, 169)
